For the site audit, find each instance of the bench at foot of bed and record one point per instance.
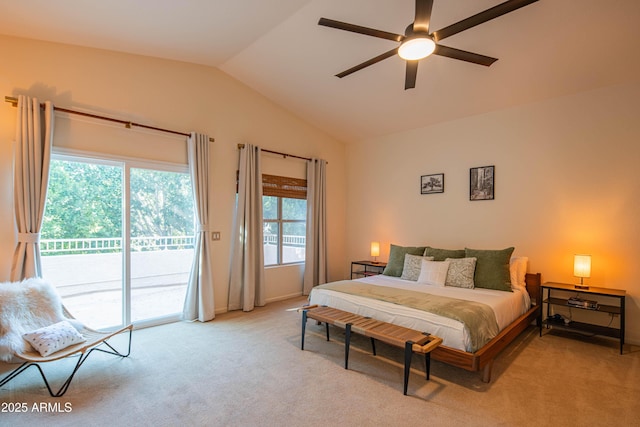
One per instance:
(411, 340)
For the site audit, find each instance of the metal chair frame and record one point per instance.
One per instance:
(95, 340)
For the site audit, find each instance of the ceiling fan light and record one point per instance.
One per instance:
(416, 48)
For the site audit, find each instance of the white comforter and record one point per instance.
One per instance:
(507, 306)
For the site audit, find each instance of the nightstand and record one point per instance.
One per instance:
(366, 268)
(560, 294)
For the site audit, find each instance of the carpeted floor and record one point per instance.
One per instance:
(247, 369)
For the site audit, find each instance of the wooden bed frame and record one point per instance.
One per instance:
(482, 360)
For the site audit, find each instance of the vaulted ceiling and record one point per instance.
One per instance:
(547, 49)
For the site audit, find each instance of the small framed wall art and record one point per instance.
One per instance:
(430, 184)
(482, 183)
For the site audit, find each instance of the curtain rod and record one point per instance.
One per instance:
(14, 101)
(241, 146)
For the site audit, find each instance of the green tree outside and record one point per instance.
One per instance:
(84, 200)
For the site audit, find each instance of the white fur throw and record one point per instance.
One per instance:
(24, 307)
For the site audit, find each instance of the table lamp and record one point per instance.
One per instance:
(375, 251)
(582, 269)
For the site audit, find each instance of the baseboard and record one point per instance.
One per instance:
(284, 297)
(269, 300)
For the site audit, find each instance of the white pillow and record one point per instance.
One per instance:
(413, 266)
(518, 271)
(53, 338)
(433, 272)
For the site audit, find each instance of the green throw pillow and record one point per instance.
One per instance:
(492, 268)
(396, 259)
(443, 254)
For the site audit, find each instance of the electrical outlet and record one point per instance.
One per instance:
(215, 235)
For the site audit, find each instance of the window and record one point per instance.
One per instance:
(284, 207)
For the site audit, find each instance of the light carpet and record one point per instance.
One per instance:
(247, 369)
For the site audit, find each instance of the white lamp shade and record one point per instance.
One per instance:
(582, 265)
(375, 248)
(416, 48)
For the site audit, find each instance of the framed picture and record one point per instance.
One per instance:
(482, 183)
(430, 184)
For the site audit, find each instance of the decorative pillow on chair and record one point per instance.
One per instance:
(412, 266)
(433, 272)
(492, 268)
(396, 259)
(461, 272)
(54, 338)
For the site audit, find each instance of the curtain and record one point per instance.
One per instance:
(34, 138)
(246, 282)
(199, 302)
(315, 270)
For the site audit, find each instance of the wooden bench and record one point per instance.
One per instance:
(411, 340)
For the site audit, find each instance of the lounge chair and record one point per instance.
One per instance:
(94, 340)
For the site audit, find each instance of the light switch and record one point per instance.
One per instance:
(215, 235)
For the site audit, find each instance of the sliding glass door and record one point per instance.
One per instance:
(117, 239)
(161, 247)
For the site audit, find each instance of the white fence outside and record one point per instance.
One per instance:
(114, 244)
(297, 241)
(156, 243)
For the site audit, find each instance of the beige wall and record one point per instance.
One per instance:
(567, 182)
(178, 96)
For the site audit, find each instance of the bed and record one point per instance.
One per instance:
(397, 297)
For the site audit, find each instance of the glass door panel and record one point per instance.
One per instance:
(81, 241)
(162, 230)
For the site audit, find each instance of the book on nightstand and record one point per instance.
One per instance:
(582, 303)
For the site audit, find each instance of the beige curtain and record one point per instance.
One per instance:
(34, 138)
(199, 302)
(246, 282)
(315, 264)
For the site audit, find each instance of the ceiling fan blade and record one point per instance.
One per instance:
(367, 63)
(463, 55)
(423, 15)
(480, 18)
(410, 76)
(360, 30)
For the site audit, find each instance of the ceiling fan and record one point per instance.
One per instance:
(418, 43)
